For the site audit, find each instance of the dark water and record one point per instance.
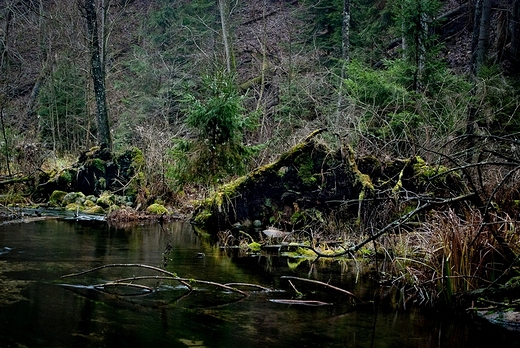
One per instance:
(36, 310)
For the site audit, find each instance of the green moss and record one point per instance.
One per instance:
(202, 216)
(98, 164)
(95, 209)
(294, 262)
(135, 171)
(399, 185)
(89, 203)
(113, 207)
(106, 199)
(73, 207)
(363, 179)
(305, 252)
(56, 198)
(138, 161)
(305, 167)
(255, 247)
(156, 209)
(426, 172)
(65, 178)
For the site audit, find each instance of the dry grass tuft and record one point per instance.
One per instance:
(447, 256)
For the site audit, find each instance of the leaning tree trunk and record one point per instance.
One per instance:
(98, 75)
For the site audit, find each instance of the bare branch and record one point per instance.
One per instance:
(323, 284)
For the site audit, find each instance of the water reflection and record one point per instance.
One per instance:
(35, 311)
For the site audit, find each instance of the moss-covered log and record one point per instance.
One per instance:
(312, 179)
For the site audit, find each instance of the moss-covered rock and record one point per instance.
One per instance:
(156, 209)
(94, 209)
(73, 197)
(106, 200)
(73, 207)
(56, 198)
(89, 203)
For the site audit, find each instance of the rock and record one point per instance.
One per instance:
(275, 233)
(507, 319)
(73, 197)
(56, 198)
(106, 200)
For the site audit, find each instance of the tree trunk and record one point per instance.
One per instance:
(345, 34)
(47, 64)
(480, 40)
(345, 53)
(483, 37)
(514, 48)
(224, 19)
(98, 76)
(4, 66)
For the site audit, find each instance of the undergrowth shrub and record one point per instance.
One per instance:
(216, 115)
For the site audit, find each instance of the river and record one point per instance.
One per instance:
(40, 309)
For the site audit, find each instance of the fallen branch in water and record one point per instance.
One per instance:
(263, 288)
(103, 288)
(323, 284)
(301, 302)
(127, 282)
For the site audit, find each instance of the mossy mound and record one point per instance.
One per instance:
(310, 181)
(98, 170)
(156, 209)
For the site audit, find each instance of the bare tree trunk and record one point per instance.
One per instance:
(46, 67)
(4, 66)
(224, 19)
(345, 34)
(345, 53)
(98, 75)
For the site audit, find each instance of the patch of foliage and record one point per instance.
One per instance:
(216, 114)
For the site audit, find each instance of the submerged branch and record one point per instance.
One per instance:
(170, 276)
(263, 288)
(103, 287)
(114, 265)
(323, 284)
(301, 302)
